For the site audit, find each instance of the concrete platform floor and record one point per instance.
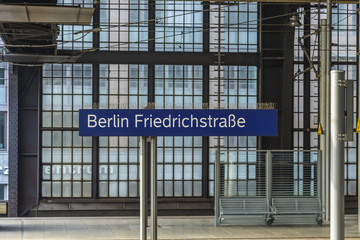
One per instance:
(169, 228)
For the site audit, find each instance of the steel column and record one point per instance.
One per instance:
(13, 141)
(153, 188)
(327, 130)
(217, 188)
(323, 109)
(206, 26)
(28, 135)
(95, 101)
(319, 177)
(151, 25)
(205, 140)
(143, 188)
(307, 79)
(337, 114)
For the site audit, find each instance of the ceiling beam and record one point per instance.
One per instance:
(127, 57)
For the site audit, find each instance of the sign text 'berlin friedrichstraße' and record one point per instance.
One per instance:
(169, 122)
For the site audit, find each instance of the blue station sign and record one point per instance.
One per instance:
(175, 122)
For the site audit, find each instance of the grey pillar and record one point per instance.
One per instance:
(337, 120)
(13, 141)
(143, 188)
(328, 95)
(323, 160)
(217, 189)
(153, 188)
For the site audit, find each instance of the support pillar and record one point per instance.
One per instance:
(143, 188)
(327, 130)
(324, 161)
(217, 188)
(337, 120)
(153, 173)
(13, 141)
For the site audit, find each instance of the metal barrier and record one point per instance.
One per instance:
(264, 185)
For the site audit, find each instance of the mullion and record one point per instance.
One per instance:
(129, 28)
(139, 25)
(62, 135)
(347, 34)
(173, 138)
(183, 138)
(128, 103)
(51, 139)
(227, 29)
(163, 138)
(108, 167)
(193, 29)
(72, 136)
(118, 42)
(163, 163)
(183, 166)
(127, 180)
(82, 140)
(237, 26)
(248, 27)
(184, 27)
(174, 27)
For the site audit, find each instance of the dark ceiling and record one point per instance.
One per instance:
(25, 37)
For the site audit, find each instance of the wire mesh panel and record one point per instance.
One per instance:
(296, 187)
(242, 173)
(263, 185)
(295, 173)
(240, 194)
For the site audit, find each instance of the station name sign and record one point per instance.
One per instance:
(175, 122)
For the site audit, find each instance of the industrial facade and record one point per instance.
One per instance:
(168, 55)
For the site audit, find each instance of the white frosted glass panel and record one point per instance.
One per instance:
(178, 189)
(56, 189)
(123, 189)
(46, 189)
(197, 188)
(133, 189)
(66, 189)
(103, 189)
(113, 189)
(168, 188)
(87, 189)
(187, 188)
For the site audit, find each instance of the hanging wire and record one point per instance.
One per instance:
(88, 31)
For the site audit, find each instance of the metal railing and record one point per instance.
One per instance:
(266, 174)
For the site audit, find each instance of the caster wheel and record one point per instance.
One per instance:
(269, 221)
(320, 222)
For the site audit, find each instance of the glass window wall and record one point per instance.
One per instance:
(125, 87)
(237, 89)
(66, 157)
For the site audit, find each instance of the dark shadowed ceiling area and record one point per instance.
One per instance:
(24, 37)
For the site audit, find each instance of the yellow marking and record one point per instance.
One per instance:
(320, 130)
(358, 126)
